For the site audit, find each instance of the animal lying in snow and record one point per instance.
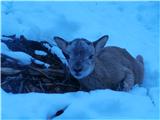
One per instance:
(99, 67)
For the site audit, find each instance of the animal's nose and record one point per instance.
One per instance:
(77, 70)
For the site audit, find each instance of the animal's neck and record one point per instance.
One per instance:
(95, 70)
(95, 79)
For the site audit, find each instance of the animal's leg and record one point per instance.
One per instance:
(83, 88)
(139, 58)
(128, 81)
(140, 62)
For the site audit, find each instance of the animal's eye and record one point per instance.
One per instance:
(91, 56)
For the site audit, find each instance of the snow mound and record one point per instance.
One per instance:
(99, 104)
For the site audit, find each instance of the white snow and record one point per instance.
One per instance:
(101, 104)
(22, 57)
(47, 46)
(130, 25)
(40, 52)
(41, 63)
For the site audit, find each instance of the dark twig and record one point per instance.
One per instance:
(41, 72)
(21, 87)
(41, 86)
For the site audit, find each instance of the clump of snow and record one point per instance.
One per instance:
(136, 90)
(41, 63)
(22, 57)
(47, 45)
(59, 54)
(39, 52)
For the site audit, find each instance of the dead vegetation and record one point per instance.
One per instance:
(18, 78)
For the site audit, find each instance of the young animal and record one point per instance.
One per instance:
(99, 67)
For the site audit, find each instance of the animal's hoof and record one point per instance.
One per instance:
(126, 86)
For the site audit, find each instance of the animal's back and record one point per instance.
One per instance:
(119, 57)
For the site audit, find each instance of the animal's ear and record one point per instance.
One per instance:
(62, 44)
(100, 43)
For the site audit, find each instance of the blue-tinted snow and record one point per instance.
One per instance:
(130, 25)
(22, 57)
(101, 104)
(39, 52)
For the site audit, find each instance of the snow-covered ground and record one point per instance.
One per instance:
(100, 104)
(130, 25)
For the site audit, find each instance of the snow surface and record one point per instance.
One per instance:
(102, 104)
(39, 52)
(130, 25)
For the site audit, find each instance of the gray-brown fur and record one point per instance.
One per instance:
(110, 67)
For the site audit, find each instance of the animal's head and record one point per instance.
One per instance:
(81, 54)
